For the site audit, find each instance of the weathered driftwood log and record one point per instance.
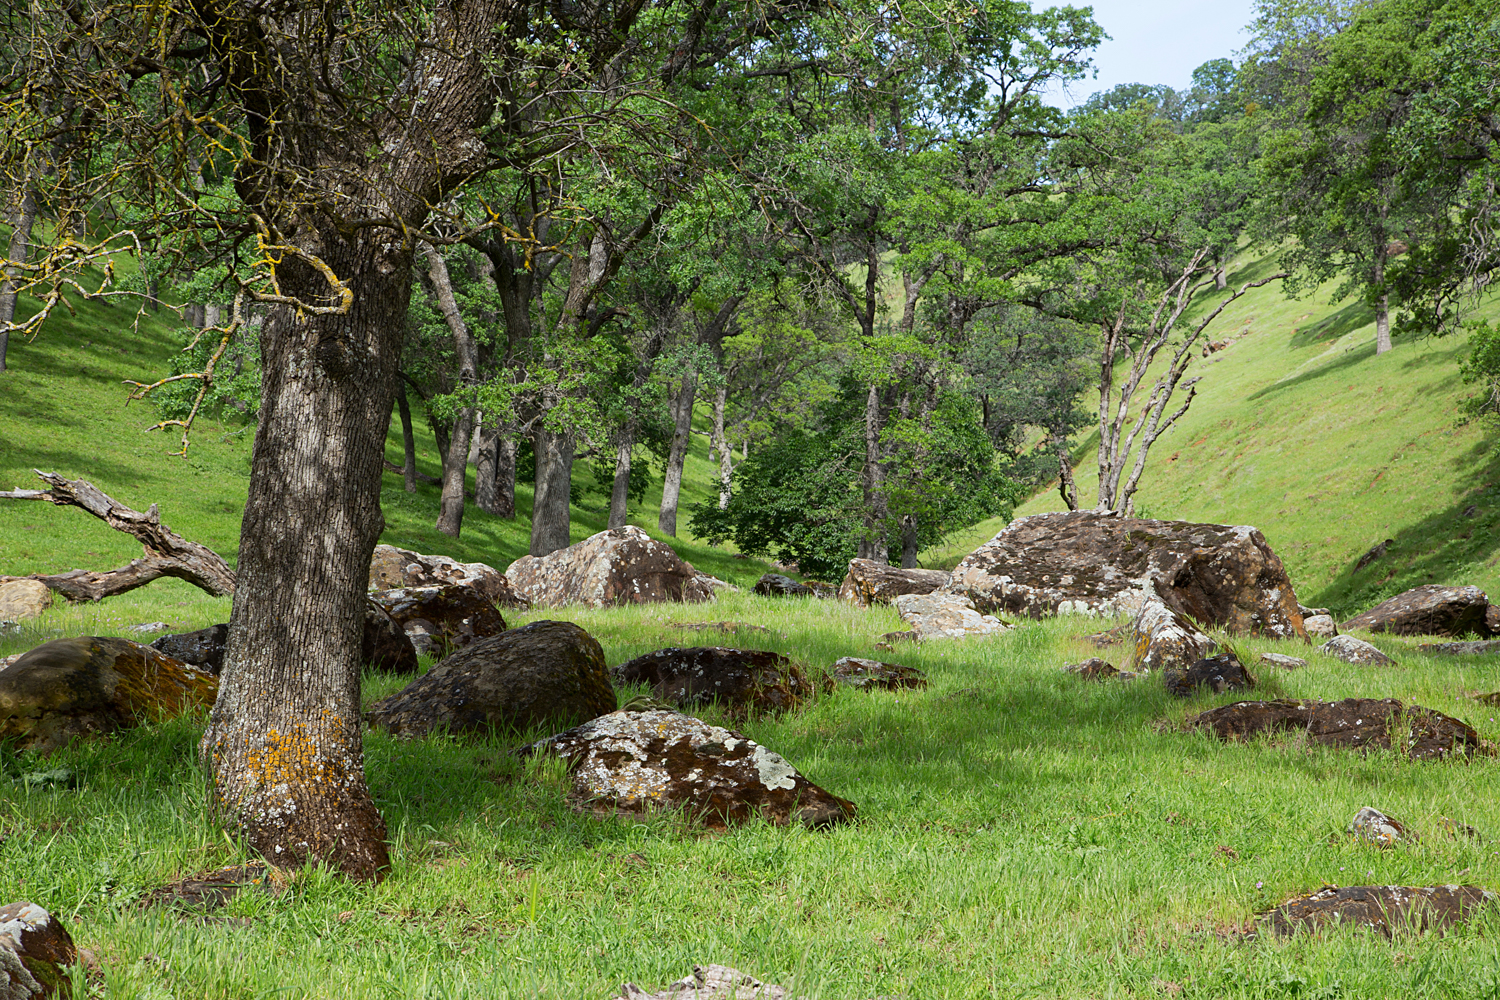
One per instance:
(166, 552)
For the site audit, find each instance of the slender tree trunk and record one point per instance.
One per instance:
(873, 544)
(1383, 300)
(456, 455)
(505, 475)
(671, 490)
(1065, 483)
(619, 497)
(721, 444)
(284, 739)
(408, 440)
(550, 515)
(20, 250)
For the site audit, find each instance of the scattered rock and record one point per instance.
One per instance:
(1374, 827)
(727, 627)
(92, 685)
(397, 569)
(1311, 612)
(870, 675)
(1220, 673)
(148, 628)
(1352, 724)
(1356, 651)
(204, 648)
(618, 566)
(1455, 830)
(870, 582)
(1085, 561)
(710, 584)
(821, 589)
(1384, 908)
(888, 638)
(1095, 669)
(1375, 552)
(439, 620)
(212, 889)
(715, 982)
(945, 616)
(1493, 698)
(1485, 647)
(1165, 640)
(385, 644)
(1283, 661)
(1109, 637)
(1492, 620)
(36, 951)
(631, 762)
(745, 682)
(1426, 610)
(543, 674)
(776, 585)
(22, 600)
(1321, 626)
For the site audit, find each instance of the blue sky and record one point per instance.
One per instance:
(1158, 41)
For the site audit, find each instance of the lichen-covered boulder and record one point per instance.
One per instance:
(1218, 674)
(92, 685)
(873, 675)
(1098, 563)
(439, 620)
(1356, 651)
(1351, 724)
(1283, 661)
(945, 616)
(36, 951)
(633, 762)
(1430, 609)
(543, 674)
(396, 569)
(745, 682)
(1320, 626)
(1097, 669)
(1162, 639)
(1373, 827)
(22, 600)
(870, 582)
(1382, 908)
(618, 566)
(1484, 647)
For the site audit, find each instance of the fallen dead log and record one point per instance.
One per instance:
(166, 552)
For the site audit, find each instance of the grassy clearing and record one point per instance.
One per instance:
(1301, 431)
(1021, 833)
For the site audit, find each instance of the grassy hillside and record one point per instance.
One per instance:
(1300, 430)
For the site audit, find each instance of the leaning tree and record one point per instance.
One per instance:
(345, 130)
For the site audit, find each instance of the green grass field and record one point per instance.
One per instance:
(1020, 833)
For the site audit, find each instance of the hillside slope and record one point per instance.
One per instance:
(1299, 429)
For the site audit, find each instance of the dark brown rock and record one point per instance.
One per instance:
(396, 569)
(1107, 638)
(776, 585)
(92, 685)
(36, 951)
(543, 674)
(1352, 724)
(1492, 620)
(441, 619)
(745, 682)
(1216, 673)
(633, 762)
(1375, 552)
(211, 889)
(1427, 610)
(203, 649)
(871, 675)
(1094, 669)
(1222, 576)
(1383, 908)
(385, 644)
(1484, 647)
(618, 566)
(870, 582)
(1163, 639)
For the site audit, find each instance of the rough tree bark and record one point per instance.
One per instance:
(166, 552)
(408, 440)
(619, 494)
(1065, 482)
(19, 250)
(456, 456)
(554, 472)
(720, 444)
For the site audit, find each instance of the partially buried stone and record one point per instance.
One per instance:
(745, 682)
(1356, 651)
(211, 889)
(871, 675)
(1094, 669)
(945, 616)
(634, 762)
(1283, 661)
(776, 585)
(714, 982)
(1218, 674)
(203, 648)
(1488, 647)
(1382, 908)
(94, 685)
(1358, 724)
(543, 674)
(35, 953)
(1371, 826)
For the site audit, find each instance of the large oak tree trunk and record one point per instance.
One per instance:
(550, 514)
(284, 739)
(671, 488)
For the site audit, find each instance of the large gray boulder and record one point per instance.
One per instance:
(1430, 609)
(543, 674)
(618, 566)
(634, 762)
(1099, 563)
(945, 616)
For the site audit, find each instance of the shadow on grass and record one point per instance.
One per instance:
(1351, 358)
(1436, 548)
(1333, 326)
